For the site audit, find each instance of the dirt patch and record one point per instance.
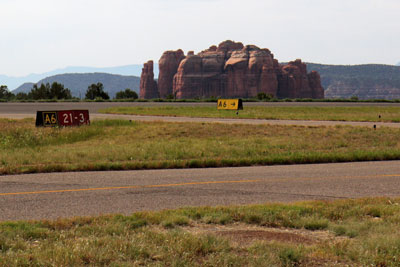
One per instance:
(245, 235)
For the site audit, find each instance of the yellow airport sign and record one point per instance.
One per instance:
(233, 104)
(50, 118)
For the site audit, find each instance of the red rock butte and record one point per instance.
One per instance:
(229, 70)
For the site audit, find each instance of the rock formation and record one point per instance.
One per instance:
(168, 65)
(294, 82)
(230, 70)
(315, 85)
(148, 87)
(249, 72)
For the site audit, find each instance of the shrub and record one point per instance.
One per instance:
(96, 91)
(127, 94)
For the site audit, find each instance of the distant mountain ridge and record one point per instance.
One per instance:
(370, 81)
(128, 70)
(78, 83)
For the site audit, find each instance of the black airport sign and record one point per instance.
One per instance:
(62, 118)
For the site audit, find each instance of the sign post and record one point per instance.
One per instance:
(62, 118)
(231, 104)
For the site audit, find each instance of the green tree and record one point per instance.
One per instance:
(58, 91)
(264, 96)
(127, 94)
(22, 96)
(354, 98)
(40, 92)
(5, 93)
(96, 91)
(47, 91)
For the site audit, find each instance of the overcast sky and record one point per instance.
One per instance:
(42, 35)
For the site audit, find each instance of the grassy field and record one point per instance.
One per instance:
(369, 113)
(342, 233)
(119, 145)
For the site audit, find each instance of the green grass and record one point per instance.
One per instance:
(343, 232)
(369, 113)
(122, 145)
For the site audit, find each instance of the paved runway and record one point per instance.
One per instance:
(54, 195)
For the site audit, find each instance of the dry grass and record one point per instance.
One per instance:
(107, 145)
(361, 232)
(367, 113)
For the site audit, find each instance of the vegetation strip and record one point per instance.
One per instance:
(126, 145)
(127, 187)
(365, 114)
(363, 232)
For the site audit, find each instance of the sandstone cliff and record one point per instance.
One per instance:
(148, 87)
(229, 70)
(168, 65)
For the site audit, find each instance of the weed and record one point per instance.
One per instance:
(4, 245)
(290, 257)
(173, 221)
(340, 230)
(315, 224)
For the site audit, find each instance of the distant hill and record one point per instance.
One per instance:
(79, 82)
(15, 82)
(25, 88)
(371, 81)
(398, 64)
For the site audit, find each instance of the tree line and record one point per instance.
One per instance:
(57, 91)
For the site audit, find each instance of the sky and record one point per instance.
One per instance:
(43, 35)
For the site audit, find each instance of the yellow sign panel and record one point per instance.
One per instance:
(234, 104)
(50, 118)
